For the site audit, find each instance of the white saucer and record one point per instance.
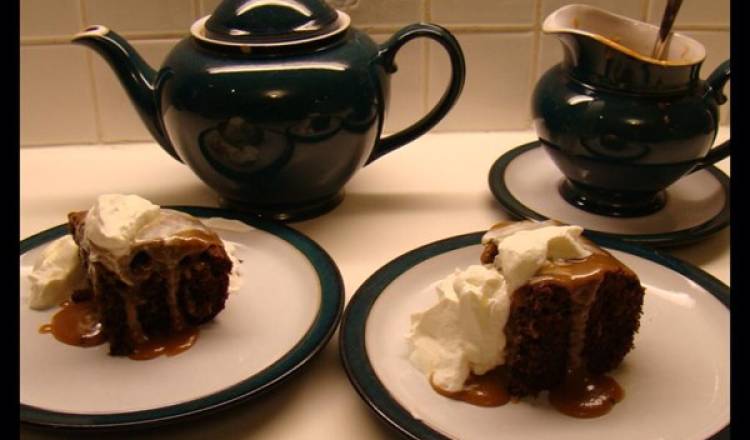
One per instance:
(525, 181)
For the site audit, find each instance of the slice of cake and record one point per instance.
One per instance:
(151, 272)
(546, 304)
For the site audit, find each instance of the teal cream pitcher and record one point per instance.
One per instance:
(619, 124)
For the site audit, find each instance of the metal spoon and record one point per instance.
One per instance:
(665, 30)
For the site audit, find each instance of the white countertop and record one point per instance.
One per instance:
(434, 188)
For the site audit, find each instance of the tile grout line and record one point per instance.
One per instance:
(427, 15)
(458, 28)
(487, 28)
(196, 9)
(535, 48)
(95, 95)
(98, 128)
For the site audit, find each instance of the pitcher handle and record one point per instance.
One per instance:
(716, 82)
(387, 54)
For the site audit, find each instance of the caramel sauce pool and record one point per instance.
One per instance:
(489, 389)
(170, 345)
(581, 395)
(585, 396)
(78, 324)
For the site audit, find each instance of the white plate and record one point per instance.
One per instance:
(676, 380)
(285, 311)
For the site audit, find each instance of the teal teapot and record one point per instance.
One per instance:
(274, 104)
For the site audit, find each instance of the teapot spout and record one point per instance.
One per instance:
(136, 76)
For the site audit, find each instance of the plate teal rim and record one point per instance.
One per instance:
(518, 210)
(317, 336)
(352, 333)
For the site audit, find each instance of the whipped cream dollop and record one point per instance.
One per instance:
(464, 332)
(521, 254)
(113, 224)
(115, 219)
(55, 274)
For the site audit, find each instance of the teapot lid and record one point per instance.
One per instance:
(270, 22)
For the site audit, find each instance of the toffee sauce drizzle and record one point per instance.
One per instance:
(580, 395)
(77, 324)
(586, 396)
(489, 389)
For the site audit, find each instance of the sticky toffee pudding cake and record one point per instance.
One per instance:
(152, 277)
(566, 309)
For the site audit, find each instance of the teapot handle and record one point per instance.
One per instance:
(716, 82)
(387, 54)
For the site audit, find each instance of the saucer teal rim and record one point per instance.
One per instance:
(352, 347)
(317, 336)
(520, 211)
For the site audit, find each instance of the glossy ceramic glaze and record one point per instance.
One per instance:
(275, 119)
(270, 22)
(274, 131)
(622, 126)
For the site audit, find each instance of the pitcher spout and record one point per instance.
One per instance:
(135, 75)
(615, 51)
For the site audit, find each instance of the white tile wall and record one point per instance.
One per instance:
(630, 8)
(57, 102)
(483, 12)
(141, 15)
(498, 72)
(694, 12)
(207, 6)
(118, 119)
(43, 18)
(368, 13)
(82, 102)
(407, 100)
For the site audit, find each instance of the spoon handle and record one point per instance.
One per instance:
(670, 13)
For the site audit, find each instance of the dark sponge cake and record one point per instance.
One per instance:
(574, 315)
(175, 275)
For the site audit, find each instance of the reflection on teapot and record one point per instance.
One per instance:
(275, 105)
(620, 125)
(243, 150)
(316, 127)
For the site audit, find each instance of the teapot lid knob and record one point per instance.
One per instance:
(270, 22)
